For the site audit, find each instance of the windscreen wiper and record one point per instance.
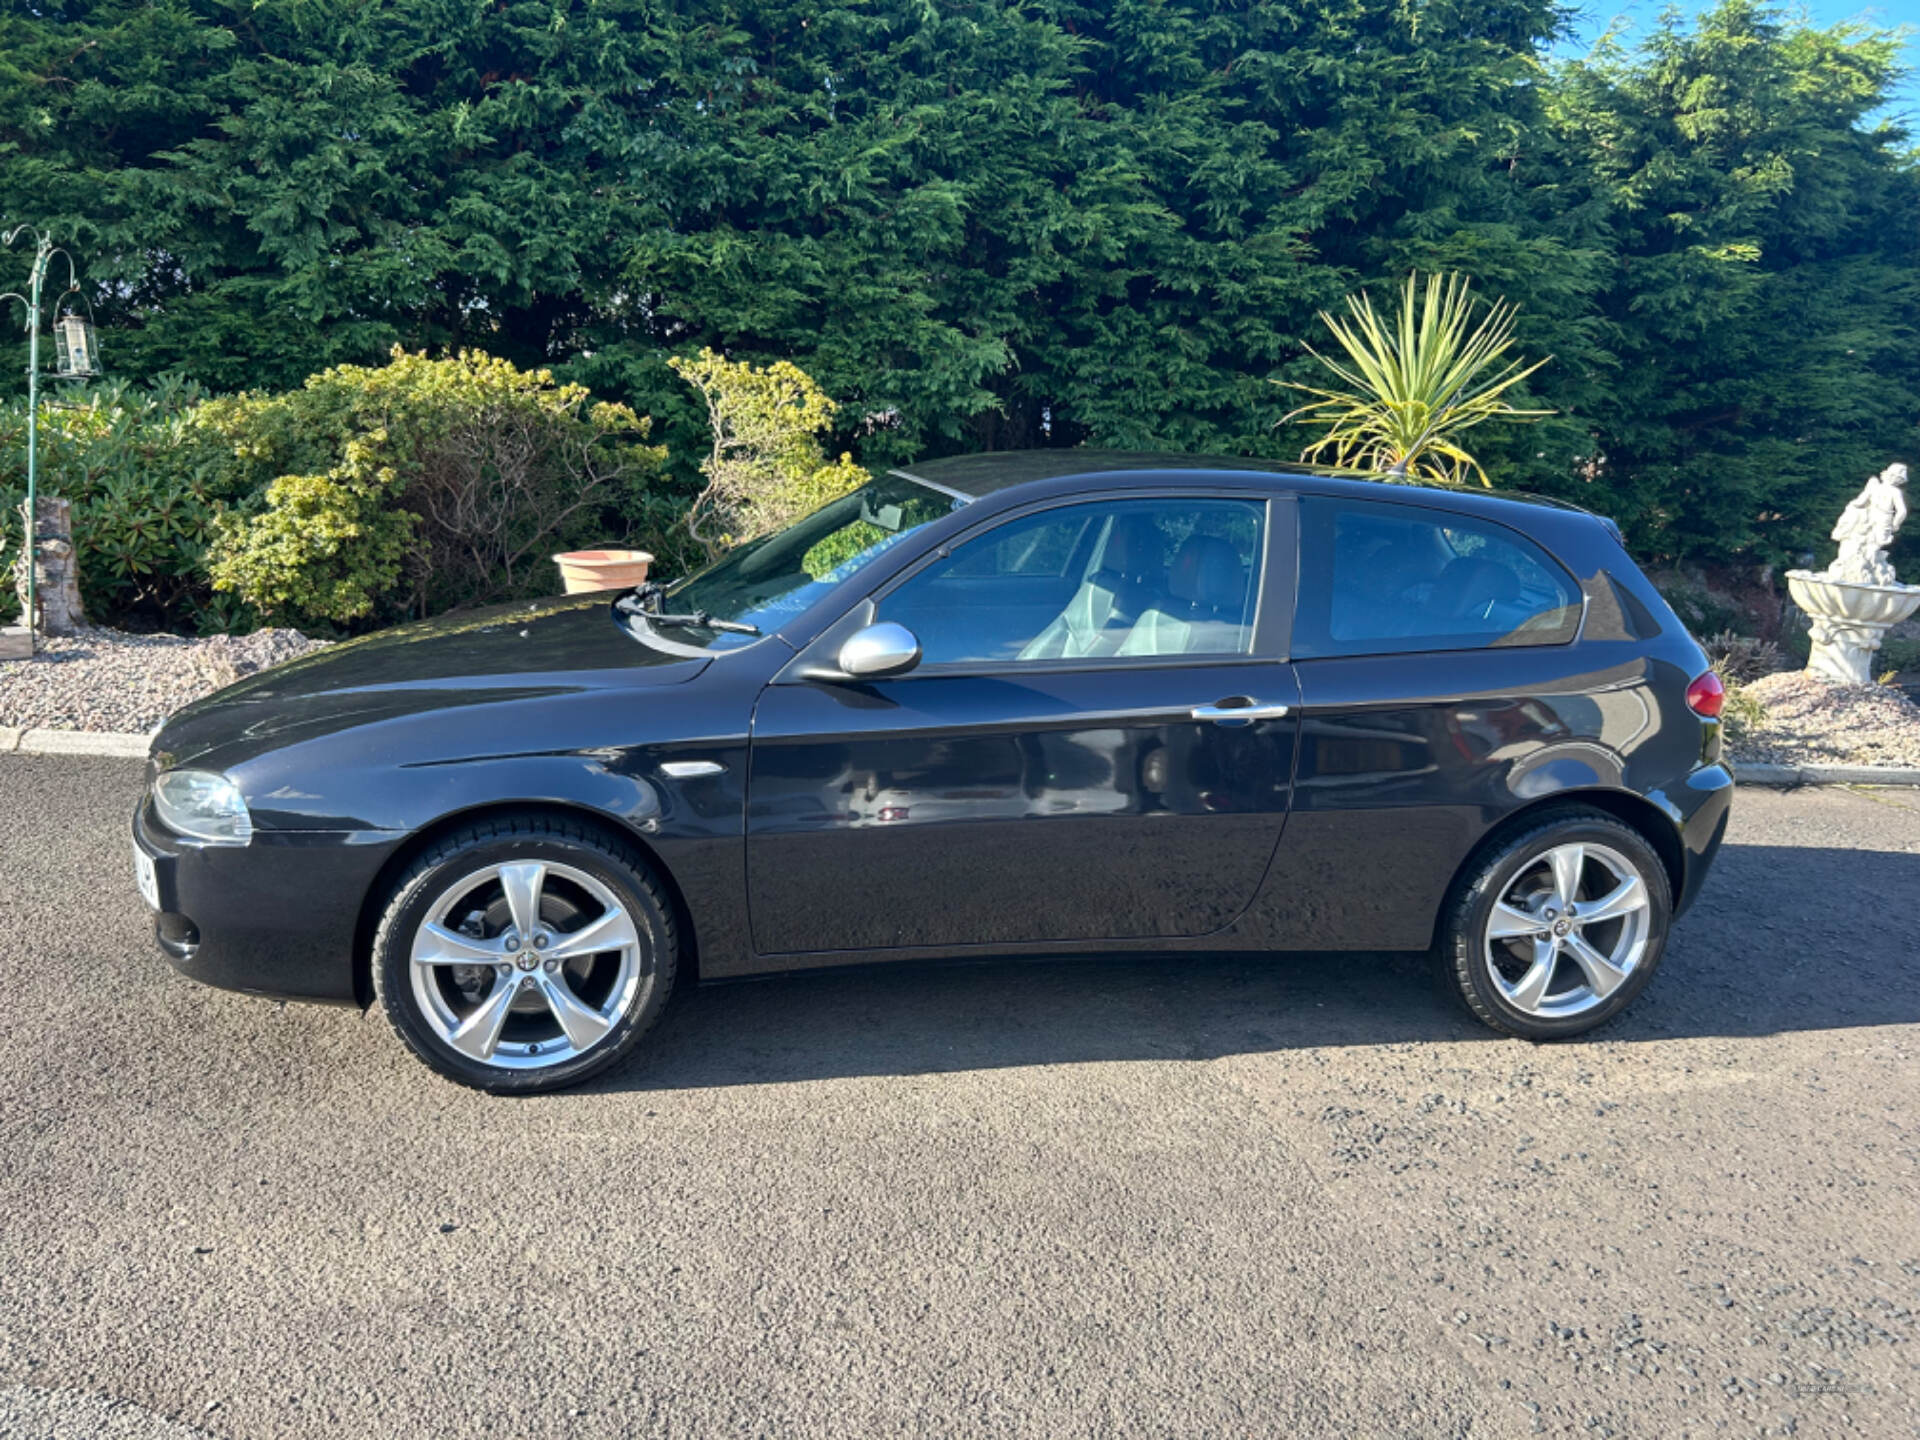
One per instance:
(700, 620)
(643, 596)
(636, 602)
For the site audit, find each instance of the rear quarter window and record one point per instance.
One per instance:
(1378, 578)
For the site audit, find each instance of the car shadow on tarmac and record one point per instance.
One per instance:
(1784, 938)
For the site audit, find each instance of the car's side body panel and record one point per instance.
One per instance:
(1019, 803)
(344, 791)
(1408, 761)
(971, 810)
(1014, 814)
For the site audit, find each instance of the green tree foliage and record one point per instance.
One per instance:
(977, 224)
(767, 467)
(983, 225)
(262, 191)
(1002, 225)
(1761, 309)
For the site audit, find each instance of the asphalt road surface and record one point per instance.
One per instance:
(1183, 1198)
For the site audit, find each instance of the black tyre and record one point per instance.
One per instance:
(525, 953)
(1557, 928)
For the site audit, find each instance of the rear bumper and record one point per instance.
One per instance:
(1704, 805)
(277, 917)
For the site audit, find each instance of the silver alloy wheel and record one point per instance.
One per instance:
(512, 969)
(1568, 930)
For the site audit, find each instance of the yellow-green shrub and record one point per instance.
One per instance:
(768, 466)
(420, 484)
(327, 546)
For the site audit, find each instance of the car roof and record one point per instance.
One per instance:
(974, 477)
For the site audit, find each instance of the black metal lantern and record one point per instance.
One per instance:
(75, 356)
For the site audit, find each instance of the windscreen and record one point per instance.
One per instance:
(766, 582)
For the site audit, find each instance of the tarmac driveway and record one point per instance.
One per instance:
(1221, 1197)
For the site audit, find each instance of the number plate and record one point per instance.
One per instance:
(144, 877)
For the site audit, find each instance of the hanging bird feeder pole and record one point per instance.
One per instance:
(77, 362)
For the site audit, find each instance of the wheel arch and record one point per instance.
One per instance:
(1639, 814)
(373, 902)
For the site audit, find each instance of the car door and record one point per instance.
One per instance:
(1064, 763)
(1440, 687)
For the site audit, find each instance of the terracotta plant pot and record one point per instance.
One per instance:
(588, 570)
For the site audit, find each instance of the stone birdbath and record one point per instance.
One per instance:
(1857, 599)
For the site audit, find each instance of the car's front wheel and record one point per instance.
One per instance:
(1555, 930)
(524, 954)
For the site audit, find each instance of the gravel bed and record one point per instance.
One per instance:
(100, 679)
(1810, 721)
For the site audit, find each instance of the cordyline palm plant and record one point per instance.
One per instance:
(1415, 386)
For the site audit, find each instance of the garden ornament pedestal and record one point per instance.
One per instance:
(1857, 599)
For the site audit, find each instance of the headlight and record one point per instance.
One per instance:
(203, 805)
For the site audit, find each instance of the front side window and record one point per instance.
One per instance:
(1378, 578)
(768, 581)
(1126, 579)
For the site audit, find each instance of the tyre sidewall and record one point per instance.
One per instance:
(1463, 944)
(407, 911)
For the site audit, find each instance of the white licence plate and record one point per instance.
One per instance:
(144, 877)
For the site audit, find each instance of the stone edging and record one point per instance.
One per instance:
(72, 742)
(1796, 775)
(134, 747)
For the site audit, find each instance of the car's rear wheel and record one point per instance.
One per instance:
(1558, 927)
(524, 954)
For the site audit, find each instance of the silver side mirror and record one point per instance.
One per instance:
(883, 649)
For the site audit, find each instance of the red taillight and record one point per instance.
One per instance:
(1706, 695)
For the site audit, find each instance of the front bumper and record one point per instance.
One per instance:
(280, 916)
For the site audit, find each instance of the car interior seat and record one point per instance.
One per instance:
(1378, 575)
(1471, 586)
(1109, 600)
(1205, 610)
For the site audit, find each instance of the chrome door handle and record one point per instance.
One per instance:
(1230, 714)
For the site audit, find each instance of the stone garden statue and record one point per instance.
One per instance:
(1867, 527)
(1857, 599)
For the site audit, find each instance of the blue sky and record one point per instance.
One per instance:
(1888, 14)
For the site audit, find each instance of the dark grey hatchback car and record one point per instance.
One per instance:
(1025, 704)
